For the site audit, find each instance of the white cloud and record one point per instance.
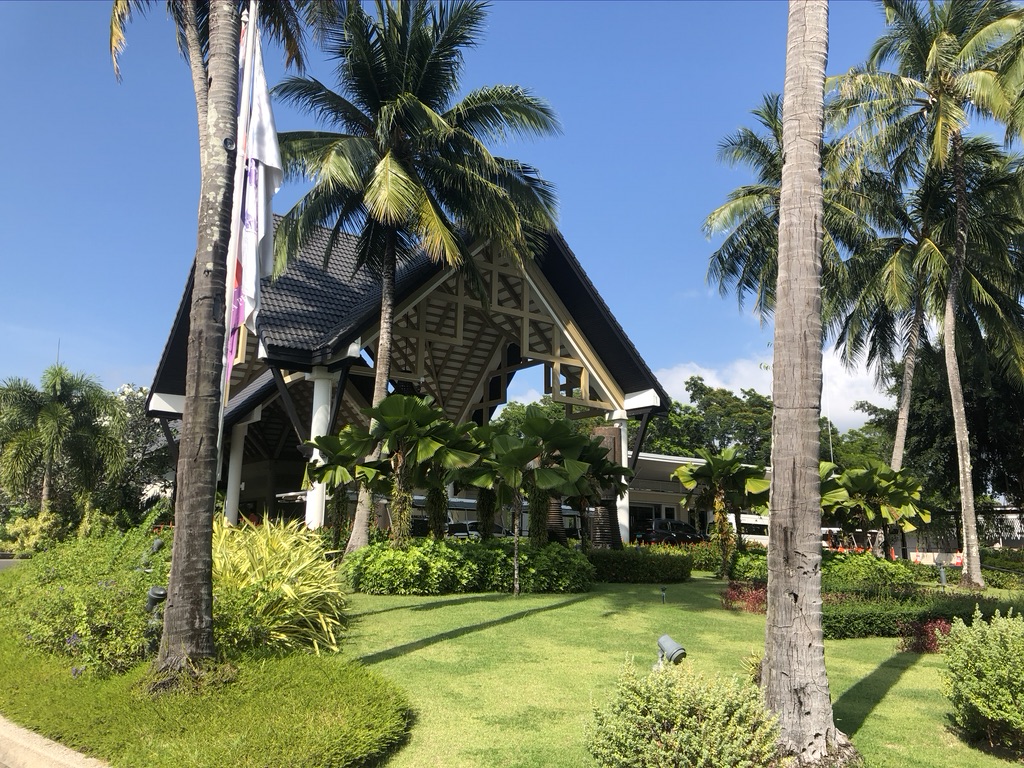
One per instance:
(842, 388)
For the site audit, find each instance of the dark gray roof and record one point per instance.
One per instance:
(306, 311)
(310, 313)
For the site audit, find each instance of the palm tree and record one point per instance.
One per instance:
(747, 259)
(208, 34)
(69, 422)
(726, 485)
(945, 57)
(793, 672)
(406, 166)
(899, 282)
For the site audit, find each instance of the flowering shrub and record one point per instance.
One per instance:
(923, 636)
(752, 598)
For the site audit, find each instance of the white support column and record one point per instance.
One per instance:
(621, 420)
(235, 459)
(234, 482)
(316, 497)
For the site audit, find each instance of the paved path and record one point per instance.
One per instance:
(21, 748)
(6, 562)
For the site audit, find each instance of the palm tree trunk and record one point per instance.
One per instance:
(793, 678)
(382, 373)
(197, 69)
(44, 498)
(907, 385)
(188, 613)
(555, 523)
(739, 533)
(517, 517)
(971, 576)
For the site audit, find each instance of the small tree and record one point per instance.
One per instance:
(414, 441)
(67, 433)
(512, 464)
(727, 486)
(873, 491)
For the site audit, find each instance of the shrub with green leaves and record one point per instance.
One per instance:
(984, 678)
(706, 556)
(85, 599)
(274, 589)
(865, 573)
(751, 565)
(429, 567)
(674, 717)
(642, 565)
(857, 615)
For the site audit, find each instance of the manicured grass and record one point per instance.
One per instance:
(301, 710)
(499, 681)
(492, 680)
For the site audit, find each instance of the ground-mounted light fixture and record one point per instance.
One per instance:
(669, 649)
(154, 597)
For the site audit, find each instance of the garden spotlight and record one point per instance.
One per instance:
(669, 649)
(156, 595)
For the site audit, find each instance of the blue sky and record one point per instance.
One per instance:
(98, 210)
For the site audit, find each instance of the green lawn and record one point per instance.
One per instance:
(492, 680)
(498, 681)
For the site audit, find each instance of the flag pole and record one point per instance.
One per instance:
(248, 44)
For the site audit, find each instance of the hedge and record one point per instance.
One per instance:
(638, 565)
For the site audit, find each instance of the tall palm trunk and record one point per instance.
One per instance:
(44, 498)
(188, 614)
(907, 385)
(382, 373)
(971, 576)
(793, 673)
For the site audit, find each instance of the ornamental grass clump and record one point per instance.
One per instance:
(274, 589)
(674, 717)
(984, 678)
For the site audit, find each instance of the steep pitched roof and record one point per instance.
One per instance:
(312, 313)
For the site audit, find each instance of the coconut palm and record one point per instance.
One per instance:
(899, 282)
(747, 260)
(69, 422)
(945, 59)
(793, 674)
(208, 35)
(405, 165)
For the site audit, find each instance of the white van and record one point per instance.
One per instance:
(753, 527)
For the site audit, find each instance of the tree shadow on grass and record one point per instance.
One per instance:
(859, 701)
(433, 605)
(425, 642)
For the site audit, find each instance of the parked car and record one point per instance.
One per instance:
(660, 531)
(467, 530)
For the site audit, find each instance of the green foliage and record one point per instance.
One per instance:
(861, 494)
(674, 717)
(751, 565)
(706, 556)
(85, 600)
(61, 438)
(865, 573)
(430, 567)
(847, 616)
(984, 678)
(642, 565)
(274, 589)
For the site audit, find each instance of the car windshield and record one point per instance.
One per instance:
(677, 526)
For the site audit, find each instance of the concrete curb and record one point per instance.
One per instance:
(21, 748)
